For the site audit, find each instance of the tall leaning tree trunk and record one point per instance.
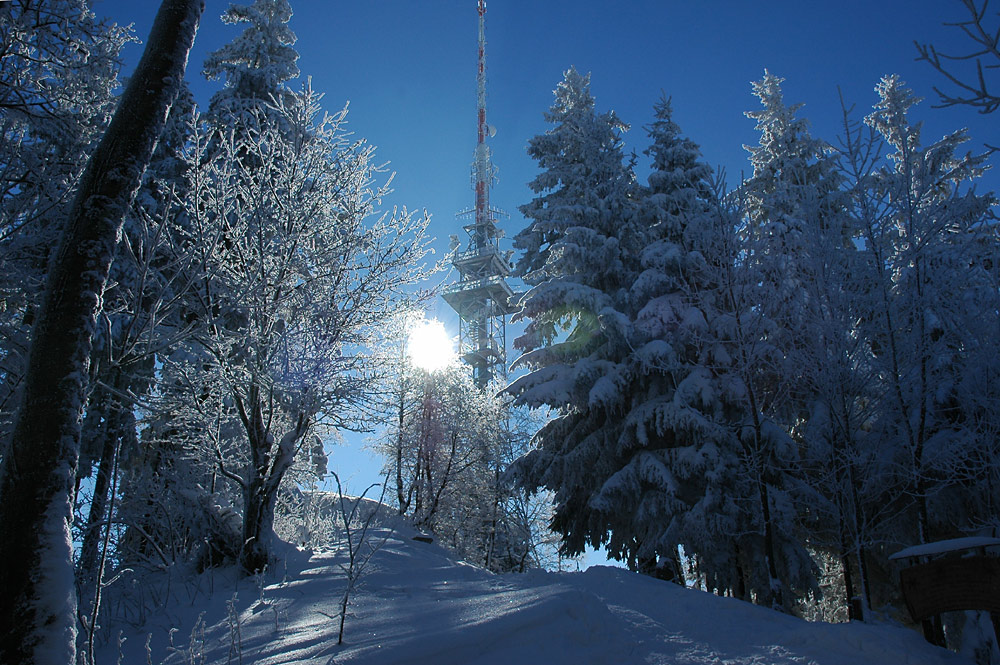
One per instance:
(38, 602)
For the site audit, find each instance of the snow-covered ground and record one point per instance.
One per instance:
(418, 605)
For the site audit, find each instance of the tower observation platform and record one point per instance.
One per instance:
(482, 297)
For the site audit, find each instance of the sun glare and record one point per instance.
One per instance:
(429, 346)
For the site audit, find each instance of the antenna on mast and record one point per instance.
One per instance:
(482, 296)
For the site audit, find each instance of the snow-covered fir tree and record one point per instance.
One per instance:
(789, 203)
(257, 65)
(578, 257)
(674, 452)
(792, 201)
(583, 186)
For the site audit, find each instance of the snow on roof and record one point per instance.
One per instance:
(945, 546)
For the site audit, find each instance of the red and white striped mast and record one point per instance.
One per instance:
(482, 297)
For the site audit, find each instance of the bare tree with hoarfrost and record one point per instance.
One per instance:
(299, 273)
(38, 474)
(290, 271)
(446, 444)
(447, 458)
(931, 259)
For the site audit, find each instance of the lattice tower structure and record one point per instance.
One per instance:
(482, 297)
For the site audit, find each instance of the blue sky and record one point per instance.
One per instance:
(408, 69)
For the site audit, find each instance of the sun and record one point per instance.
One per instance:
(429, 346)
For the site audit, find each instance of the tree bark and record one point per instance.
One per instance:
(741, 579)
(266, 471)
(775, 597)
(850, 598)
(88, 573)
(38, 606)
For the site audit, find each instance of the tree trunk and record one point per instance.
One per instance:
(866, 598)
(401, 496)
(254, 545)
(846, 478)
(669, 567)
(850, 597)
(261, 488)
(38, 606)
(258, 523)
(775, 597)
(110, 435)
(741, 578)
(258, 518)
(88, 573)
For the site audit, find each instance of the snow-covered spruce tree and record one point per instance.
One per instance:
(257, 65)
(38, 474)
(582, 179)
(931, 257)
(795, 209)
(58, 72)
(578, 256)
(299, 272)
(674, 447)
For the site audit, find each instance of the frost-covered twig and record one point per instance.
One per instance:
(360, 548)
(235, 632)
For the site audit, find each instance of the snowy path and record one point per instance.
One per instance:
(418, 606)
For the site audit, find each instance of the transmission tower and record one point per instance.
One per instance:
(482, 296)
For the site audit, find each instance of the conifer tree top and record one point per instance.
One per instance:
(572, 96)
(580, 158)
(781, 133)
(677, 165)
(258, 62)
(889, 116)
